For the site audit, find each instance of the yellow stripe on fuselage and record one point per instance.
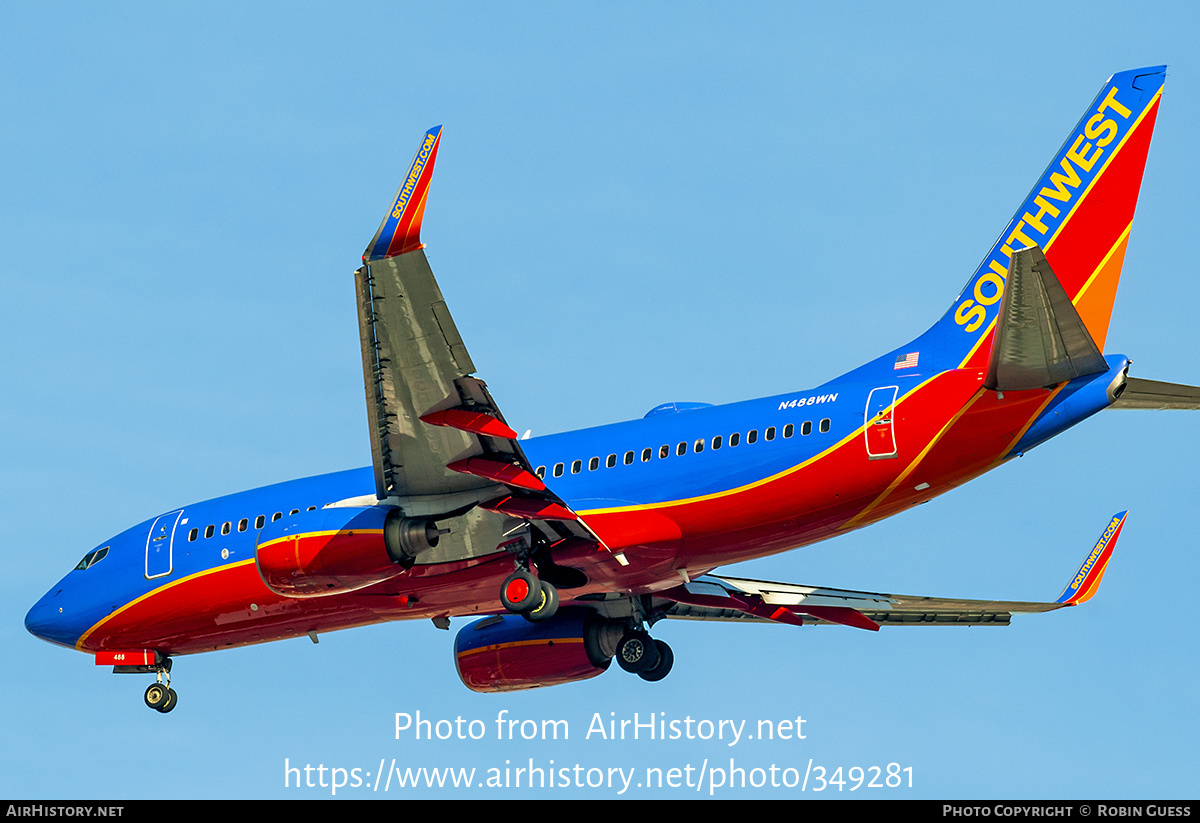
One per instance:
(83, 637)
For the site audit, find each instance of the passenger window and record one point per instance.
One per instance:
(208, 531)
(681, 449)
(825, 425)
(770, 433)
(259, 521)
(540, 472)
(611, 461)
(647, 453)
(577, 467)
(593, 464)
(752, 436)
(717, 442)
(558, 469)
(276, 516)
(628, 458)
(734, 439)
(806, 428)
(242, 524)
(788, 430)
(192, 535)
(699, 445)
(312, 508)
(664, 451)
(226, 527)
(294, 511)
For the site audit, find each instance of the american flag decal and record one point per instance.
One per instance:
(907, 361)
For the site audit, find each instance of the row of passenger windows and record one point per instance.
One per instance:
(664, 451)
(242, 524)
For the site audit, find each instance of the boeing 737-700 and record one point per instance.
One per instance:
(570, 547)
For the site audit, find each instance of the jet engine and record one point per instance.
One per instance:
(506, 653)
(340, 549)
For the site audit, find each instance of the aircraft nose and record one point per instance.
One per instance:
(47, 620)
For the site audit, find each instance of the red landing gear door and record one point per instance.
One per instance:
(879, 429)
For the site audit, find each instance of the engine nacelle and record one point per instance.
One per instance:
(339, 550)
(505, 653)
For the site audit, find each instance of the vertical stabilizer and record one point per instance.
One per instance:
(1079, 213)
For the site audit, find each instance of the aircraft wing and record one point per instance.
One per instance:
(730, 598)
(439, 444)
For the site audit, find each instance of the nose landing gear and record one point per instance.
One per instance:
(161, 697)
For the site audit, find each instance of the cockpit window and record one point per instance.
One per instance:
(92, 558)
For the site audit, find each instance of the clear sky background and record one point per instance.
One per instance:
(633, 203)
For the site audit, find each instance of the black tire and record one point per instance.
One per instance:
(636, 652)
(521, 592)
(547, 607)
(666, 659)
(156, 695)
(172, 701)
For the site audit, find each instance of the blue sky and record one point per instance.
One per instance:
(633, 204)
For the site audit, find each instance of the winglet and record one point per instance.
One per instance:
(400, 230)
(1085, 582)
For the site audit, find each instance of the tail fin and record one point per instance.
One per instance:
(1079, 212)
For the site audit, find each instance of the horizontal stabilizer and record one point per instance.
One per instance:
(1040, 339)
(1154, 394)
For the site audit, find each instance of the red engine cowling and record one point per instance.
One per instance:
(339, 550)
(506, 653)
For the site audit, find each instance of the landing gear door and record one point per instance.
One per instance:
(879, 429)
(158, 544)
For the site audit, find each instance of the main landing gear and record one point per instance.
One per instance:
(639, 653)
(524, 594)
(536, 599)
